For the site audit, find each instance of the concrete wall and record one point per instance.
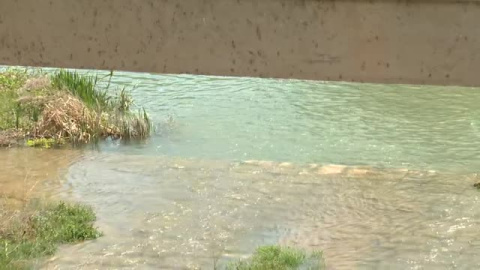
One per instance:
(432, 42)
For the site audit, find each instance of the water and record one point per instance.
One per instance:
(186, 198)
(305, 121)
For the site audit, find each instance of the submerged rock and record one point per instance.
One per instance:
(262, 163)
(285, 165)
(355, 172)
(304, 172)
(251, 162)
(266, 164)
(313, 166)
(331, 169)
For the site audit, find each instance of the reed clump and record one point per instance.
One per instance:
(66, 106)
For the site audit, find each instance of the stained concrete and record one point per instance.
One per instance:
(424, 42)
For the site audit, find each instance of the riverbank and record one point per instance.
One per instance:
(40, 109)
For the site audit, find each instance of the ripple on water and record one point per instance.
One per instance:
(174, 212)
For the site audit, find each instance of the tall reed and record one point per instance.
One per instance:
(82, 86)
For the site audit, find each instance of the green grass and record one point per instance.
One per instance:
(32, 234)
(83, 87)
(279, 258)
(44, 142)
(10, 81)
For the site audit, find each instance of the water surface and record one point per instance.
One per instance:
(186, 198)
(306, 121)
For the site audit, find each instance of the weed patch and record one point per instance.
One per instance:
(34, 233)
(280, 258)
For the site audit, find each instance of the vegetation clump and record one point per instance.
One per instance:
(43, 142)
(36, 232)
(477, 185)
(280, 258)
(65, 106)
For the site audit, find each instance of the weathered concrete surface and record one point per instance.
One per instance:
(432, 42)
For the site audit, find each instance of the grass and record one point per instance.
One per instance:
(66, 105)
(9, 83)
(43, 142)
(12, 79)
(36, 232)
(280, 258)
(83, 87)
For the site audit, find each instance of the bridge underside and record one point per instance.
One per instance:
(386, 41)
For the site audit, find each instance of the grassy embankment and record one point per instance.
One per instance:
(44, 110)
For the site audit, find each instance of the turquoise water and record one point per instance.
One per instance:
(421, 127)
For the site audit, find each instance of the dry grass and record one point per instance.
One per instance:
(10, 137)
(36, 84)
(66, 106)
(65, 116)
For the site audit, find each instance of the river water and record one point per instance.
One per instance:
(236, 163)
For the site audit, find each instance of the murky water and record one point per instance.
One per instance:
(27, 173)
(186, 198)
